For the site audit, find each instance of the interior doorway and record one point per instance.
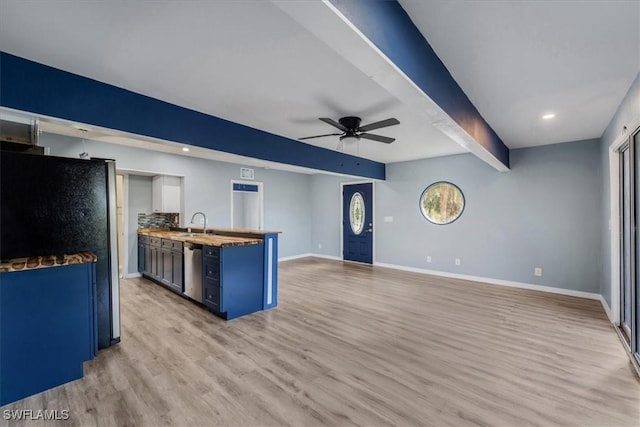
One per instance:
(247, 205)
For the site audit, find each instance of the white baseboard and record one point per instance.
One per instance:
(500, 282)
(132, 275)
(309, 255)
(335, 258)
(289, 258)
(607, 309)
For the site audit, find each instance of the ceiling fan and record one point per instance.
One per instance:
(350, 127)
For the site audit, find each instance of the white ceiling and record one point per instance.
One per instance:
(254, 64)
(517, 60)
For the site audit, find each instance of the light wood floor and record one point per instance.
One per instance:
(357, 345)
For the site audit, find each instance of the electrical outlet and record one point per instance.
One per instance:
(388, 219)
(428, 258)
(319, 245)
(457, 261)
(537, 271)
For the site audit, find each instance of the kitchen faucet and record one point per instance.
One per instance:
(204, 227)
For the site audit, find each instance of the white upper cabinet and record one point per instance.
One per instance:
(166, 193)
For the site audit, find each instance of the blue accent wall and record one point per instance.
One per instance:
(387, 25)
(29, 86)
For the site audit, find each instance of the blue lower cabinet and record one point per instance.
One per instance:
(48, 328)
(232, 279)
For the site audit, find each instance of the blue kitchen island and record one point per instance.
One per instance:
(239, 267)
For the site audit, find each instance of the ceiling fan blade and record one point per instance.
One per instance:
(378, 138)
(378, 125)
(320, 136)
(333, 123)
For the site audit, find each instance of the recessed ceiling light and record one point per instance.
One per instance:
(185, 148)
(548, 116)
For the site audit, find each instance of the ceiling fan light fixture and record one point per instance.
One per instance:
(350, 127)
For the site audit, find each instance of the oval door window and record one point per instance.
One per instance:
(356, 213)
(442, 203)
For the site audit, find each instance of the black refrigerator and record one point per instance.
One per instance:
(54, 205)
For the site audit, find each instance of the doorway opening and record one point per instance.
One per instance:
(247, 205)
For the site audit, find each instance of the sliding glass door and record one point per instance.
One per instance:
(626, 243)
(629, 321)
(633, 296)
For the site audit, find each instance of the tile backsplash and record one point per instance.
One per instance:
(158, 220)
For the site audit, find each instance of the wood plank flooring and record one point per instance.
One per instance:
(356, 345)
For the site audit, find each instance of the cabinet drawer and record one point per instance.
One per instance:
(155, 241)
(172, 245)
(212, 270)
(210, 251)
(143, 239)
(211, 296)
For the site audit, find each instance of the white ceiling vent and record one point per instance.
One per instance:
(246, 173)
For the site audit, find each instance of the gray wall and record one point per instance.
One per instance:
(628, 114)
(326, 215)
(544, 213)
(207, 187)
(138, 201)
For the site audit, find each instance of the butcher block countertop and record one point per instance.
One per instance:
(199, 238)
(32, 263)
(237, 230)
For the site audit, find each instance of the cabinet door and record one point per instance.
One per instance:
(147, 260)
(156, 199)
(156, 262)
(171, 194)
(166, 193)
(140, 258)
(177, 270)
(167, 266)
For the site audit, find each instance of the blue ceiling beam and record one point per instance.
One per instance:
(39, 89)
(389, 28)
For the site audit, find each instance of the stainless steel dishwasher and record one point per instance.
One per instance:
(193, 271)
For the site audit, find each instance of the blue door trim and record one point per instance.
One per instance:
(40, 89)
(245, 187)
(387, 25)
